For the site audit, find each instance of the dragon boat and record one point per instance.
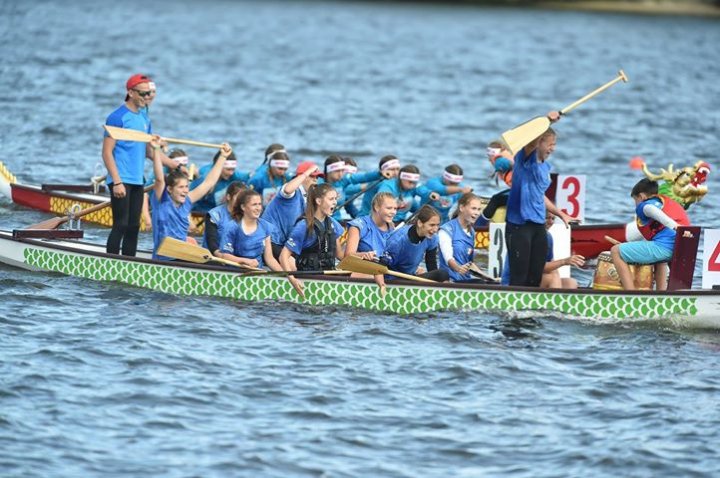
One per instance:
(63, 252)
(586, 240)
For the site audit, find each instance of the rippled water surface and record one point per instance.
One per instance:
(98, 379)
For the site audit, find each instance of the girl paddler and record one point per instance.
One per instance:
(247, 241)
(409, 245)
(314, 242)
(405, 187)
(219, 219)
(457, 239)
(367, 235)
(171, 204)
(337, 176)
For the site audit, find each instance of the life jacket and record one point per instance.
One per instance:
(670, 207)
(320, 256)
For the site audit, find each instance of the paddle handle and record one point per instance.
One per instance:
(231, 263)
(621, 77)
(402, 275)
(192, 143)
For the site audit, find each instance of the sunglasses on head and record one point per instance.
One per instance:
(143, 94)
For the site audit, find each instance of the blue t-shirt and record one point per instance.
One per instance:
(129, 155)
(463, 249)
(249, 246)
(283, 213)
(526, 202)
(446, 201)
(299, 238)
(220, 216)
(168, 220)
(372, 238)
(343, 183)
(402, 255)
(268, 188)
(666, 236)
(216, 196)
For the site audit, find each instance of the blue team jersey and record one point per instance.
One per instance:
(299, 239)
(249, 246)
(372, 238)
(221, 217)
(526, 202)
(283, 213)
(446, 201)
(129, 155)
(343, 183)
(402, 255)
(216, 196)
(168, 220)
(268, 188)
(463, 245)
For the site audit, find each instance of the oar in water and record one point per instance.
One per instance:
(361, 266)
(518, 137)
(360, 193)
(122, 134)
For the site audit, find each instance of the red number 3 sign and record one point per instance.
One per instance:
(570, 196)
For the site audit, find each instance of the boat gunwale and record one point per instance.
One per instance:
(347, 279)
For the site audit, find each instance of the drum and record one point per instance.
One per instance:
(607, 278)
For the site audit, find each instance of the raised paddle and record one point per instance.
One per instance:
(515, 139)
(361, 266)
(185, 251)
(122, 134)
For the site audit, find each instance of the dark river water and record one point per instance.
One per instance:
(98, 379)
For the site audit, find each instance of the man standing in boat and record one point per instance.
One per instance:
(125, 162)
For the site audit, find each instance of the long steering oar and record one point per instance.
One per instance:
(122, 134)
(56, 222)
(516, 138)
(361, 266)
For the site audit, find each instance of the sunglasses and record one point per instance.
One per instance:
(143, 94)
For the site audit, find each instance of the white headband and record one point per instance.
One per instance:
(453, 178)
(410, 176)
(336, 166)
(393, 163)
(350, 169)
(280, 163)
(180, 159)
(270, 155)
(230, 164)
(492, 152)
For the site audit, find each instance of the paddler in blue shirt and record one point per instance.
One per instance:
(389, 166)
(449, 187)
(405, 188)
(457, 239)
(288, 205)
(219, 219)
(247, 240)
(367, 235)
(270, 177)
(171, 204)
(228, 175)
(409, 245)
(525, 223)
(336, 175)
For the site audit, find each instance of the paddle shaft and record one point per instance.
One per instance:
(360, 193)
(122, 134)
(621, 77)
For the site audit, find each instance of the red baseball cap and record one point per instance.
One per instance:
(136, 80)
(304, 166)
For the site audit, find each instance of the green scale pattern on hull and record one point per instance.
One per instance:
(400, 300)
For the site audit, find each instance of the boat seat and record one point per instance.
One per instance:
(682, 264)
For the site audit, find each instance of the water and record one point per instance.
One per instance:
(99, 379)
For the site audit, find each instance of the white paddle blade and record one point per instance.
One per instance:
(517, 138)
(122, 134)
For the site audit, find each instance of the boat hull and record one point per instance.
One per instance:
(691, 309)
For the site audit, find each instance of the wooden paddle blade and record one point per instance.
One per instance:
(361, 266)
(53, 223)
(517, 138)
(122, 134)
(184, 251)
